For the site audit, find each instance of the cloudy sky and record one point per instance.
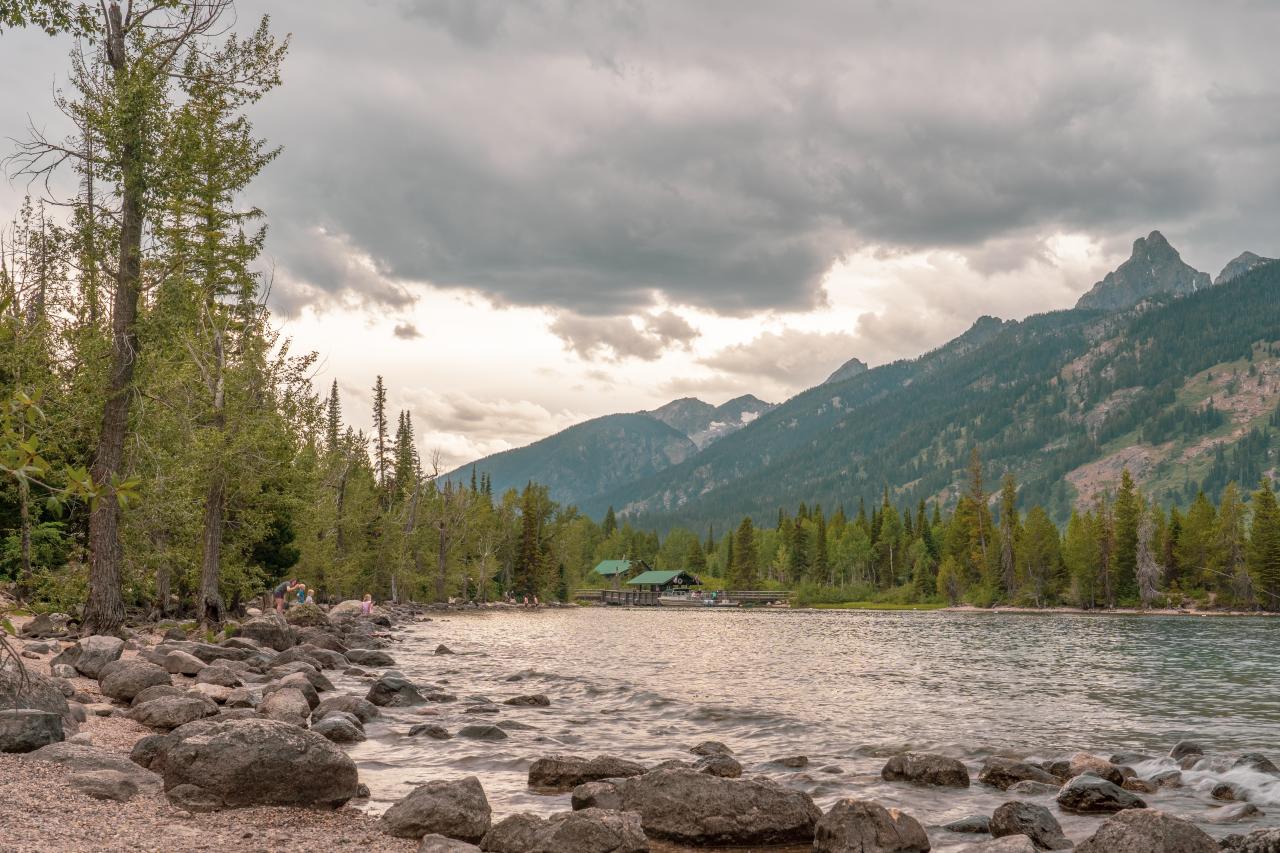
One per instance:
(524, 214)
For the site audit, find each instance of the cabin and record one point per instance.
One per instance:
(617, 570)
(661, 582)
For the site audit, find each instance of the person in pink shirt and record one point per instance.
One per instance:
(366, 606)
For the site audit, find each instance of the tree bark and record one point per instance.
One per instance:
(104, 611)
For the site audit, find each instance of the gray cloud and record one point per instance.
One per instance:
(616, 338)
(722, 155)
(793, 358)
(406, 331)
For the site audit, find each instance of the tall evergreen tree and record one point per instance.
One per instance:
(1264, 545)
(1128, 514)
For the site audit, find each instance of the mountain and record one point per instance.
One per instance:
(1154, 268)
(1183, 392)
(1239, 265)
(598, 455)
(588, 458)
(848, 370)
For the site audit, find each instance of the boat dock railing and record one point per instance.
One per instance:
(645, 598)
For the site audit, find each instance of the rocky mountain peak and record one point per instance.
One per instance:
(1239, 265)
(851, 368)
(1154, 267)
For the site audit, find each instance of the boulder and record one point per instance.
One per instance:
(688, 807)
(711, 747)
(125, 679)
(1027, 788)
(270, 631)
(1148, 831)
(46, 625)
(339, 727)
(792, 762)
(156, 691)
(439, 844)
(35, 692)
(363, 709)
(724, 766)
(29, 729)
(586, 831)
(866, 827)
(455, 809)
(1008, 844)
(321, 638)
(91, 654)
(369, 657)
(350, 607)
(257, 762)
(392, 691)
(1138, 786)
(241, 697)
(304, 673)
(220, 675)
(1002, 772)
(106, 784)
(79, 759)
(1257, 761)
(442, 649)
(213, 692)
(1083, 762)
(1184, 749)
(288, 705)
(1226, 792)
(1091, 795)
(974, 823)
(923, 768)
(169, 712)
(1258, 841)
(430, 730)
(182, 663)
(1035, 822)
(298, 681)
(566, 772)
(478, 732)
(62, 670)
(537, 700)
(307, 615)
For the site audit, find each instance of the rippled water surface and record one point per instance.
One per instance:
(846, 689)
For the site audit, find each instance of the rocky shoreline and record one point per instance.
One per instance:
(160, 742)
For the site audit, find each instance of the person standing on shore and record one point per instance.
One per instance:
(366, 606)
(302, 593)
(283, 589)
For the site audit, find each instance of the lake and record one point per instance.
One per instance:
(846, 689)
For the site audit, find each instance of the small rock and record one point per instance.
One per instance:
(537, 700)
(394, 692)
(1185, 748)
(1035, 822)
(1008, 844)
(339, 729)
(482, 733)
(1139, 786)
(1092, 795)
(439, 844)
(975, 823)
(169, 712)
(90, 654)
(442, 649)
(565, 772)
(1027, 788)
(430, 730)
(711, 747)
(724, 766)
(1258, 841)
(288, 705)
(922, 768)
(1147, 831)
(182, 663)
(62, 670)
(105, 784)
(861, 825)
(1257, 761)
(1226, 792)
(794, 762)
(29, 729)
(1002, 772)
(369, 657)
(456, 809)
(125, 679)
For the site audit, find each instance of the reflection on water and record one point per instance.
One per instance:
(843, 688)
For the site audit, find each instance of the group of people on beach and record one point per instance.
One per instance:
(303, 595)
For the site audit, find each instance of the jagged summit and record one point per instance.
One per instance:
(1154, 267)
(851, 368)
(1239, 265)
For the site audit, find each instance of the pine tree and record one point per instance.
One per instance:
(1009, 530)
(333, 419)
(1264, 545)
(1080, 553)
(1127, 516)
(746, 565)
(1039, 553)
(610, 523)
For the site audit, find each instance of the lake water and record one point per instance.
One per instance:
(846, 689)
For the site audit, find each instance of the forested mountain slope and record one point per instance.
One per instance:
(1179, 389)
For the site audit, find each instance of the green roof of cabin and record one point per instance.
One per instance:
(656, 578)
(609, 568)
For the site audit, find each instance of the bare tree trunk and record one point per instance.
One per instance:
(104, 611)
(209, 609)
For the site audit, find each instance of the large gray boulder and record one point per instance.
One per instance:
(169, 712)
(924, 768)
(28, 729)
(363, 709)
(688, 807)
(270, 631)
(866, 827)
(156, 691)
(91, 654)
(36, 692)
(79, 759)
(456, 809)
(288, 705)
(257, 762)
(322, 638)
(1034, 821)
(1002, 772)
(392, 691)
(125, 679)
(1091, 795)
(220, 675)
(566, 772)
(179, 662)
(369, 657)
(340, 727)
(1152, 831)
(296, 681)
(587, 831)
(1258, 841)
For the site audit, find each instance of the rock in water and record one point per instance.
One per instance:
(1003, 772)
(1258, 841)
(537, 700)
(91, 654)
(369, 657)
(392, 691)
(867, 827)
(482, 733)
(1035, 822)
(1184, 748)
(339, 729)
(1091, 795)
(1149, 831)
(257, 762)
(586, 831)
(724, 766)
(125, 679)
(456, 809)
(1027, 788)
(688, 807)
(566, 772)
(976, 824)
(363, 709)
(430, 730)
(711, 747)
(28, 729)
(923, 768)
(1008, 844)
